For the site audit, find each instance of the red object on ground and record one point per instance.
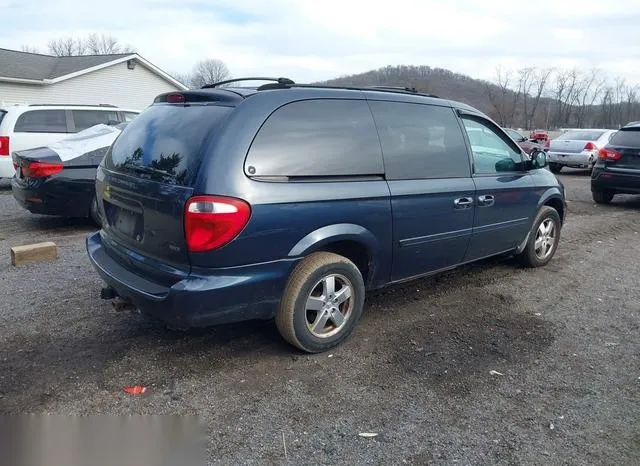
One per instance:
(135, 390)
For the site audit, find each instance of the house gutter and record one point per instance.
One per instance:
(21, 80)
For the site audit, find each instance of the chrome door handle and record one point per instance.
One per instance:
(463, 203)
(486, 200)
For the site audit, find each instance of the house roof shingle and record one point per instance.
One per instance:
(23, 65)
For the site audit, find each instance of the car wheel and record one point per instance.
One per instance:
(543, 239)
(322, 302)
(555, 167)
(602, 197)
(94, 213)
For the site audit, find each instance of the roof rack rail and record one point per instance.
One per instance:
(279, 81)
(398, 90)
(412, 90)
(73, 105)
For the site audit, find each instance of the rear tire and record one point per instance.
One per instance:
(602, 197)
(543, 238)
(322, 302)
(555, 167)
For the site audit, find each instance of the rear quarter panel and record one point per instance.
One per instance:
(285, 213)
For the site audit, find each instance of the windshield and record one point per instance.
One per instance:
(164, 143)
(513, 134)
(586, 135)
(626, 137)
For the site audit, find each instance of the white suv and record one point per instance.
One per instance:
(28, 126)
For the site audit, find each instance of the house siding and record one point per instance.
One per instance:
(117, 85)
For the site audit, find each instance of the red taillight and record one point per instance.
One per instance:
(4, 146)
(176, 98)
(41, 169)
(590, 146)
(606, 154)
(212, 221)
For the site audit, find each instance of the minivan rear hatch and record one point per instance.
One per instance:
(148, 175)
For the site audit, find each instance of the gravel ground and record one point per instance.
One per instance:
(416, 371)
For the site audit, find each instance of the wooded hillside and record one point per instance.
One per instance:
(527, 98)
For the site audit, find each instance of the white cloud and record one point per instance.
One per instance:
(311, 40)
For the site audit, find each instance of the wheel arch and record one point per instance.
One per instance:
(554, 199)
(352, 241)
(551, 198)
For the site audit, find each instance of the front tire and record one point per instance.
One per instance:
(543, 239)
(555, 167)
(322, 302)
(602, 197)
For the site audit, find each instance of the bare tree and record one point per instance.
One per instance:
(29, 49)
(209, 71)
(565, 95)
(184, 78)
(587, 90)
(605, 116)
(105, 45)
(64, 47)
(631, 103)
(526, 77)
(92, 45)
(498, 94)
(540, 79)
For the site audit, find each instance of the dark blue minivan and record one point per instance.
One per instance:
(290, 201)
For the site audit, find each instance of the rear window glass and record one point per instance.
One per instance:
(317, 138)
(87, 118)
(165, 142)
(42, 121)
(129, 116)
(420, 141)
(626, 137)
(2, 114)
(581, 135)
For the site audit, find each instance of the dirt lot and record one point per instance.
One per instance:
(416, 371)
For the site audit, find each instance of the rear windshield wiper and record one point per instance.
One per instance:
(146, 170)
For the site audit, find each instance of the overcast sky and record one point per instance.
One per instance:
(313, 40)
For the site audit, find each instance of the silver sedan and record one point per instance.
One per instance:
(577, 148)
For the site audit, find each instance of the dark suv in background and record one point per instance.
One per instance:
(289, 201)
(617, 170)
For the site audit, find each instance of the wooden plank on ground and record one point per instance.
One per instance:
(38, 252)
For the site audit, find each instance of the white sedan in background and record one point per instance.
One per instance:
(577, 148)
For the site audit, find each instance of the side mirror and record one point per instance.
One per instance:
(538, 159)
(506, 165)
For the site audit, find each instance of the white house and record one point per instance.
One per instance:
(124, 80)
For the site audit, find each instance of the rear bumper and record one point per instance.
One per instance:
(67, 198)
(6, 167)
(203, 298)
(614, 181)
(580, 160)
